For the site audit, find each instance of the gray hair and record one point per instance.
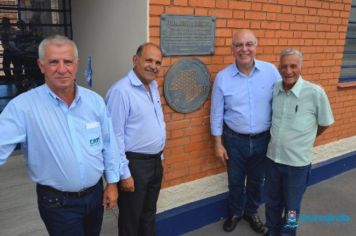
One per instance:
(142, 46)
(292, 51)
(58, 40)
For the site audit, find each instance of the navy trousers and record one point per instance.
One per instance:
(284, 187)
(71, 216)
(245, 169)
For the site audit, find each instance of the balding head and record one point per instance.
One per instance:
(244, 43)
(243, 32)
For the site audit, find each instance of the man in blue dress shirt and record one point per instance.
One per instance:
(240, 121)
(135, 107)
(68, 142)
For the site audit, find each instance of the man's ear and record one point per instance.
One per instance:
(40, 65)
(134, 60)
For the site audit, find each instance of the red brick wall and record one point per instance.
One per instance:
(316, 27)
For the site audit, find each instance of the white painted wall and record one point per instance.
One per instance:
(109, 31)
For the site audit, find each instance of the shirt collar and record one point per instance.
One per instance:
(135, 81)
(296, 89)
(235, 71)
(54, 96)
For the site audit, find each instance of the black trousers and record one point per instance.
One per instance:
(137, 210)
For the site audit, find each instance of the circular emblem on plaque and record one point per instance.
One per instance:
(187, 85)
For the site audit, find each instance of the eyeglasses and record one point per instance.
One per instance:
(248, 45)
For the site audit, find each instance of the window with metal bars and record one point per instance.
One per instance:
(23, 25)
(348, 68)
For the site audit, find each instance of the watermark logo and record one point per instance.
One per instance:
(324, 218)
(291, 220)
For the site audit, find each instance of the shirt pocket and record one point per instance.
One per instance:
(94, 139)
(304, 122)
(263, 93)
(235, 98)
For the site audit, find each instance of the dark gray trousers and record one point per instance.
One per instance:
(137, 210)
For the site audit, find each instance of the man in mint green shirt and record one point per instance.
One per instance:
(300, 112)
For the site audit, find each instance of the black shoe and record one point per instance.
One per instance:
(231, 222)
(255, 223)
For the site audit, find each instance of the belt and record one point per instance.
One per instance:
(143, 156)
(228, 130)
(252, 136)
(79, 194)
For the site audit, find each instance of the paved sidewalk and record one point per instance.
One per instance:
(18, 204)
(332, 198)
(19, 215)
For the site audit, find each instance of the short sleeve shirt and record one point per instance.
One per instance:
(296, 115)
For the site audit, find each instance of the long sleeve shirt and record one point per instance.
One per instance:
(67, 148)
(243, 102)
(137, 117)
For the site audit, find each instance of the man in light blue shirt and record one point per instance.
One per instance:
(301, 112)
(135, 107)
(68, 142)
(240, 121)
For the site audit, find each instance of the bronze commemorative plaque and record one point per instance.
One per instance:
(187, 85)
(187, 35)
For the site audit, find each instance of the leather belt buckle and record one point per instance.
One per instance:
(81, 193)
(253, 136)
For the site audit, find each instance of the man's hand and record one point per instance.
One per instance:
(163, 164)
(127, 185)
(220, 150)
(110, 195)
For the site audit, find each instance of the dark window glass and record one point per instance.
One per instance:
(348, 68)
(23, 25)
